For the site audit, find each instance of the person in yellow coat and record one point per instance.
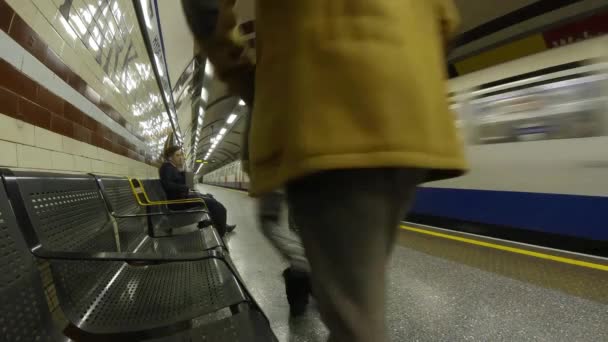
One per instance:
(350, 114)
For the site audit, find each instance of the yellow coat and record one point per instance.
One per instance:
(351, 84)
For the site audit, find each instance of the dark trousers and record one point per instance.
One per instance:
(217, 211)
(348, 221)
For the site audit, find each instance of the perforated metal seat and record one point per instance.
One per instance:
(25, 314)
(244, 326)
(131, 217)
(105, 297)
(102, 291)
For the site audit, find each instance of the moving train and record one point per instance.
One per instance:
(536, 131)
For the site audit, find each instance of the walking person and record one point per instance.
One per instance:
(350, 115)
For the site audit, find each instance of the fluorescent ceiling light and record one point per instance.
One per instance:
(241, 103)
(223, 131)
(159, 66)
(204, 94)
(199, 168)
(231, 118)
(209, 69)
(146, 10)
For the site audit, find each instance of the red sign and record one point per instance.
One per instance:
(587, 28)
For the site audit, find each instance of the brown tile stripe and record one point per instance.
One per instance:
(26, 100)
(31, 41)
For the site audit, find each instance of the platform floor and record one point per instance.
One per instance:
(442, 287)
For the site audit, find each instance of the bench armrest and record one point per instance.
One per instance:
(126, 256)
(171, 213)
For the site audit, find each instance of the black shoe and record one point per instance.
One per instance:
(230, 228)
(297, 288)
(205, 224)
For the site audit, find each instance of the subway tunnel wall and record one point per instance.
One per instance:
(77, 92)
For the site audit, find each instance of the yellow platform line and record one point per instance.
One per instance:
(510, 249)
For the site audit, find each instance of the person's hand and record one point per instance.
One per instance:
(214, 26)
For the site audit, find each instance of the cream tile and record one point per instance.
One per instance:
(117, 159)
(83, 164)
(58, 3)
(62, 161)
(120, 169)
(33, 157)
(108, 168)
(16, 130)
(104, 155)
(65, 30)
(98, 72)
(97, 166)
(9, 51)
(70, 57)
(46, 8)
(84, 71)
(91, 151)
(42, 26)
(47, 139)
(81, 53)
(39, 72)
(25, 9)
(8, 154)
(78, 148)
(73, 147)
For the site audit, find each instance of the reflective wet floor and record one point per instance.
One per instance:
(443, 289)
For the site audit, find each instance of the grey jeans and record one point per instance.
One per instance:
(348, 221)
(284, 238)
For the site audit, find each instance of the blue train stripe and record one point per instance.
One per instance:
(571, 215)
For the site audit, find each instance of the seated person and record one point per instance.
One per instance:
(174, 183)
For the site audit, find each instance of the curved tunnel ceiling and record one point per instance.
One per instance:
(219, 106)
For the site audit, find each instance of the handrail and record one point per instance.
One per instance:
(150, 202)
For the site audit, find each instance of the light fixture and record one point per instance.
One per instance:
(159, 66)
(146, 10)
(231, 118)
(209, 69)
(204, 94)
(241, 103)
(199, 168)
(223, 131)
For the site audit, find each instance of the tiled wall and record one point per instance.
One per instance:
(100, 44)
(26, 146)
(47, 94)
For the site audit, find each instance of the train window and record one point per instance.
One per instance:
(564, 109)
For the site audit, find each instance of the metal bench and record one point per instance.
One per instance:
(130, 217)
(25, 314)
(152, 191)
(106, 292)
